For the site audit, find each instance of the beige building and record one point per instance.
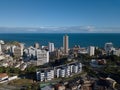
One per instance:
(65, 44)
(17, 52)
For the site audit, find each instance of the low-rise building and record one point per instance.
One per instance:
(116, 52)
(3, 76)
(58, 72)
(68, 73)
(59, 87)
(62, 72)
(42, 76)
(108, 47)
(75, 68)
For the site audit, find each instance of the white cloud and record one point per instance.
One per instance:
(67, 29)
(32, 30)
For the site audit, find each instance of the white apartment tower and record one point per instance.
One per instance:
(51, 47)
(91, 50)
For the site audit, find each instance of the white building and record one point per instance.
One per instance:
(68, 73)
(62, 72)
(42, 76)
(80, 67)
(75, 68)
(0, 49)
(1, 42)
(58, 72)
(31, 51)
(71, 68)
(83, 51)
(109, 47)
(38, 75)
(42, 56)
(22, 48)
(116, 52)
(91, 50)
(51, 47)
(45, 75)
(12, 48)
(50, 74)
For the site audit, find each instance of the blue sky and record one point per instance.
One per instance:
(56, 15)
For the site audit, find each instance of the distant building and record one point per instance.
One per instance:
(22, 48)
(91, 50)
(36, 45)
(116, 52)
(109, 47)
(42, 56)
(66, 44)
(51, 47)
(83, 51)
(0, 48)
(58, 53)
(31, 52)
(12, 49)
(1, 43)
(18, 52)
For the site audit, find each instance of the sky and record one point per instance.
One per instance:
(75, 16)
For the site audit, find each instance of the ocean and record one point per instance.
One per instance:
(82, 39)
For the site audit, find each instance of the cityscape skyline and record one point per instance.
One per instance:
(49, 16)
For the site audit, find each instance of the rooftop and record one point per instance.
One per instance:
(3, 75)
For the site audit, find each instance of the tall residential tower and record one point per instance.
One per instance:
(65, 44)
(51, 47)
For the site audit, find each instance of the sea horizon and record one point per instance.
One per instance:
(82, 39)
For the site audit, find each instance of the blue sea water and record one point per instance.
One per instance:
(82, 39)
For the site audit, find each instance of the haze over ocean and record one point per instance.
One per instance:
(82, 39)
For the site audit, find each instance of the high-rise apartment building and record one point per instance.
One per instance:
(51, 47)
(91, 50)
(65, 44)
